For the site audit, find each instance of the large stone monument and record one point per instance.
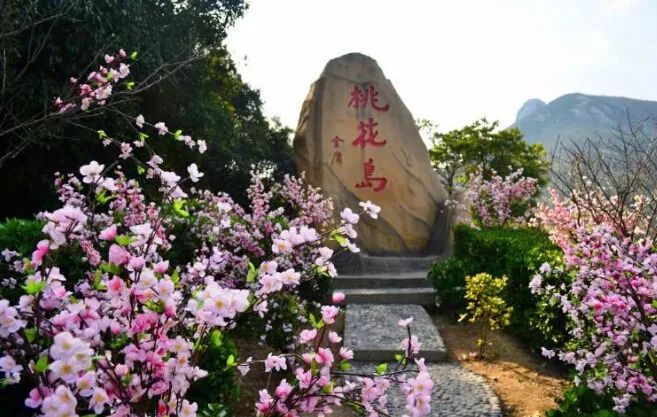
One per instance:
(357, 141)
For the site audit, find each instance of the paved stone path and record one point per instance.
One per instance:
(457, 392)
(371, 331)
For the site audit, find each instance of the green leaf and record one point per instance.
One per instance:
(177, 134)
(124, 240)
(102, 197)
(340, 239)
(98, 281)
(157, 307)
(30, 334)
(130, 85)
(230, 362)
(133, 55)
(399, 357)
(119, 341)
(253, 272)
(216, 338)
(140, 170)
(178, 208)
(42, 364)
(316, 324)
(34, 287)
(381, 369)
(175, 277)
(102, 134)
(110, 268)
(345, 366)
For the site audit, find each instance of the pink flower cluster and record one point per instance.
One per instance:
(496, 202)
(611, 302)
(97, 87)
(316, 390)
(123, 337)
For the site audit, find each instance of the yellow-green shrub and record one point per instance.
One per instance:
(486, 307)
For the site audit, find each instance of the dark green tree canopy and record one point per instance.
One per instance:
(481, 145)
(192, 81)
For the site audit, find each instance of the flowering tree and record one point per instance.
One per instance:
(612, 300)
(500, 200)
(124, 337)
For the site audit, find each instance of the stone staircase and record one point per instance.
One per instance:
(403, 288)
(387, 280)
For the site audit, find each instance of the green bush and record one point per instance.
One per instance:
(515, 253)
(581, 401)
(217, 392)
(20, 235)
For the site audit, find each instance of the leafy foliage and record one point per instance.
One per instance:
(20, 235)
(581, 401)
(486, 307)
(515, 253)
(193, 81)
(460, 152)
(220, 386)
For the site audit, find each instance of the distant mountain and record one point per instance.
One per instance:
(578, 116)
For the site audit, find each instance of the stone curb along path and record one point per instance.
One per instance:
(371, 331)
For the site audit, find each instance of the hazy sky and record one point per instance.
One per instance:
(452, 61)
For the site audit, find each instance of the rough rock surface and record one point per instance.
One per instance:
(357, 141)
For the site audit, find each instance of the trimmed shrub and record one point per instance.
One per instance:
(515, 253)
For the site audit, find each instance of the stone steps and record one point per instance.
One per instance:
(372, 332)
(400, 280)
(391, 295)
(361, 264)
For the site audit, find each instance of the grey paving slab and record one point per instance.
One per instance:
(371, 331)
(457, 392)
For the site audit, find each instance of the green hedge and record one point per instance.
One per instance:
(516, 253)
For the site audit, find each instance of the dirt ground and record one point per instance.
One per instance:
(526, 385)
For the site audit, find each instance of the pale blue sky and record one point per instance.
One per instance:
(452, 61)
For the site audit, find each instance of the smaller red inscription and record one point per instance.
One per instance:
(337, 141)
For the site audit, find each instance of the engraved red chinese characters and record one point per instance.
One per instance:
(369, 179)
(337, 150)
(360, 98)
(367, 134)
